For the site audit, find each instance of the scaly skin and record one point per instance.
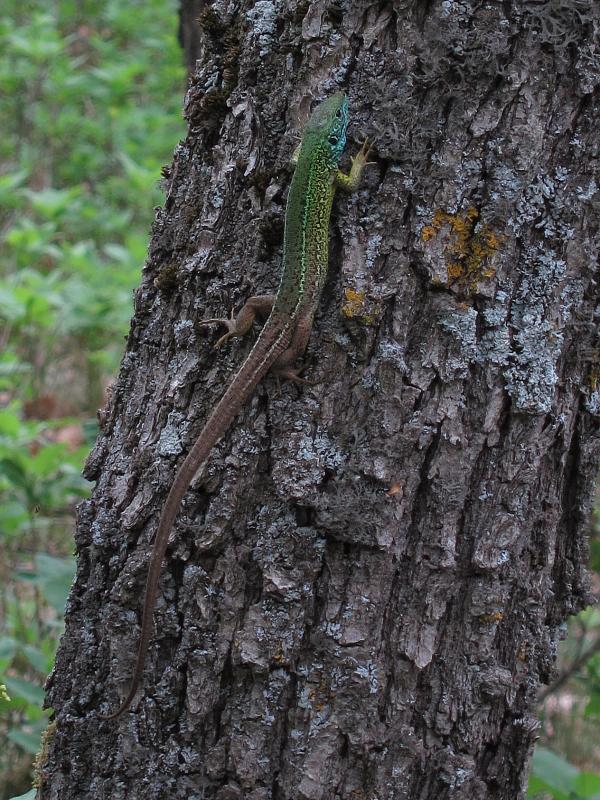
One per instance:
(290, 313)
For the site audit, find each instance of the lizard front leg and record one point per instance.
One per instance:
(240, 324)
(351, 182)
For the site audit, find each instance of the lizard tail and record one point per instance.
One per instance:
(268, 346)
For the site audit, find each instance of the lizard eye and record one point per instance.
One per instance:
(338, 113)
(333, 139)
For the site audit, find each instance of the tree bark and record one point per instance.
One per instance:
(367, 583)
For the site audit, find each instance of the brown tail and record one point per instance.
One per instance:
(270, 343)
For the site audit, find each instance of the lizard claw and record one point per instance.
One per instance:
(292, 374)
(230, 324)
(364, 153)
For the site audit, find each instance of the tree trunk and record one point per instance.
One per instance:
(368, 581)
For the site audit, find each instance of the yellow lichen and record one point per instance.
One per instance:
(495, 616)
(395, 488)
(594, 377)
(523, 652)
(469, 251)
(279, 657)
(354, 306)
(354, 303)
(428, 232)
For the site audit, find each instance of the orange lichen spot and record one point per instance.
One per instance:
(522, 653)
(594, 377)
(496, 616)
(428, 232)
(470, 248)
(395, 488)
(355, 306)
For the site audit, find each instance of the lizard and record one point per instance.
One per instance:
(290, 313)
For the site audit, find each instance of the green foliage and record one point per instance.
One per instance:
(91, 112)
(38, 482)
(90, 103)
(35, 476)
(553, 776)
(592, 709)
(570, 720)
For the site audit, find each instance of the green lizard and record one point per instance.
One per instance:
(290, 313)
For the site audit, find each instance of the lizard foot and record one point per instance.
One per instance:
(363, 154)
(230, 324)
(292, 374)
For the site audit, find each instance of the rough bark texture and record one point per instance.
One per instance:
(367, 584)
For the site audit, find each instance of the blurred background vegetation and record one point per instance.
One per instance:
(91, 110)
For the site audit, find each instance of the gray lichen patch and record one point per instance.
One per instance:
(263, 19)
(532, 377)
(460, 326)
(169, 442)
(592, 402)
(312, 454)
(494, 346)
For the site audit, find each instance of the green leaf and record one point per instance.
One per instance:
(595, 551)
(8, 184)
(537, 786)
(10, 424)
(117, 253)
(14, 471)
(39, 45)
(16, 474)
(8, 647)
(51, 567)
(55, 576)
(587, 784)
(11, 308)
(25, 690)
(554, 772)
(590, 616)
(30, 742)
(30, 795)
(56, 593)
(11, 366)
(592, 708)
(48, 459)
(52, 203)
(13, 516)
(36, 658)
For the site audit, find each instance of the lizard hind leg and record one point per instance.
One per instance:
(292, 374)
(283, 367)
(239, 324)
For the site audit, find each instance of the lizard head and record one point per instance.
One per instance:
(328, 122)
